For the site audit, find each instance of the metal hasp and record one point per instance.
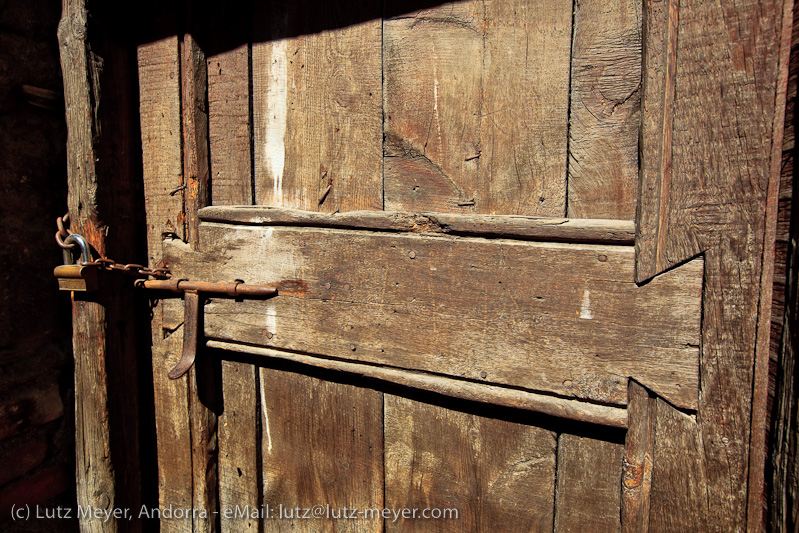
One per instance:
(192, 301)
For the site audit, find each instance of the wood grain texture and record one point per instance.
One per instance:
(229, 127)
(678, 501)
(466, 390)
(476, 108)
(194, 128)
(384, 294)
(103, 182)
(317, 122)
(238, 446)
(229, 103)
(512, 226)
(706, 189)
(757, 505)
(589, 472)
(95, 477)
(322, 448)
(604, 113)
(317, 107)
(498, 473)
(160, 112)
(783, 500)
(229, 131)
(638, 456)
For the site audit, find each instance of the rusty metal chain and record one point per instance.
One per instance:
(131, 269)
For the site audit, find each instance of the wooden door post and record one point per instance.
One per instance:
(102, 197)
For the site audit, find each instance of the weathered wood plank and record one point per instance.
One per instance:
(102, 142)
(783, 500)
(238, 446)
(194, 127)
(678, 500)
(229, 130)
(493, 468)
(229, 99)
(707, 188)
(160, 115)
(476, 108)
(638, 456)
(317, 107)
(513, 226)
(589, 472)
(604, 113)
(323, 448)
(377, 297)
(757, 505)
(317, 102)
(466, 390)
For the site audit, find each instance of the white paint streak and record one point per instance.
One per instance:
(275, 118)
(585, 309)
(266, 418)
(271, 326)
(435, 101)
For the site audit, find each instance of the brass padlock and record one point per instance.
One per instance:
(76, 277)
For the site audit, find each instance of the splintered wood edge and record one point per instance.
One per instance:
(513, 226)
(541, 403)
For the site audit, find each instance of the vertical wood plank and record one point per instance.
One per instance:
(638, 455)
(317, 122)
(499, 474)
(194, 113)
(678, 500)
(604, 114)
(103, 187)
(322, 445)
(783, 503)
(476, 107)
(229, 100)
(238, 447)
(229, 131)
(589, 472)
(317, 106)
(160, 112)
(712, 72)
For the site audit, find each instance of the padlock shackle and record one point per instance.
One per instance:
(85, 254)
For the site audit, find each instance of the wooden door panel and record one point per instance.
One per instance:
(442, 110)
(491, 464)
(317, 107)
(605, 109)
(476, 108)
(495, 311)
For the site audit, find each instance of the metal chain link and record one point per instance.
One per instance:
(130, 269)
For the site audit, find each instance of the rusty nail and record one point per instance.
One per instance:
(325, 192)
(269, 334)
(352, 347)
(412, 254)
(483, 374)
(173, 192)
(327, 286)
(602, 258)
(346, 286)
(302, 243)
(466, 203)
(475, 156)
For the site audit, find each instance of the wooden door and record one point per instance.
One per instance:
(519, 249)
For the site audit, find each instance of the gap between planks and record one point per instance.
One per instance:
(541, 403)
(596, 231)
